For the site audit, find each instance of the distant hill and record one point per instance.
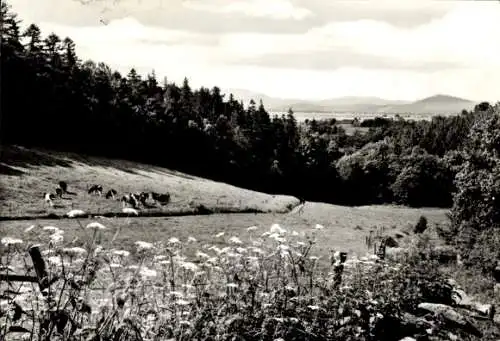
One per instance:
(438, 104)
(347, 104)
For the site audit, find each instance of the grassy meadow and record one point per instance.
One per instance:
(236, 276)
(28, 174)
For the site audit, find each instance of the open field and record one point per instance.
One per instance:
(34, 172)
(28, 174)
(344, 228)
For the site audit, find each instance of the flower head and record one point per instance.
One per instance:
(96, 225)
(11, 241)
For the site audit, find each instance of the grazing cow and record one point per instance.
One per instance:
(95, 189)
(129, 199)
(49, 197)
(143, 197)
(59, 192)
(63, 186)
(111, 194)
(163, 199)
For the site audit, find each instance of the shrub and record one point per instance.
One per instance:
(476, 206)
(421, 225)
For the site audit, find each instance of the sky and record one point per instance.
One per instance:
(300, 49)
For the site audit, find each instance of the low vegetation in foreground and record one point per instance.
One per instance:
(272, 286)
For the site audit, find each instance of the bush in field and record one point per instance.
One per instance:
(271, 286)
(368, 172)
(421, 225)
(425, 180)
(476, 207)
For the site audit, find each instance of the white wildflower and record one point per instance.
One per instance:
(7, 267)
(276, 228)
(212, 260)
(75, 213)
(133, 267)
(202, 255)
(283, 247)
(189, 266)
(56, 237)
(143, 245)
(115, 265)
(74, 251)
(257, 250)
(55, 260)
(235, 240)
(301, 244)
(232, 285)
(96, 225)
(121, 253)
(295, 233)
(319, 227)
(182, 302)
(98, 250)
(313, 258)
(11, 241)
(191, 239)
(179, 259)
(145, 272)
(265, 234)
(164, 262)
(50, 228)
(160, 257)
(252, 228)
(176, 293)
(313, 307)
(174, 240)
(29, 228)
(216, 249)
(130, 210)
(220, 234)
(277, 237)
(241, 250)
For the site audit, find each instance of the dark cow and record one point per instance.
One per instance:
(63, 186)
(59, 192)
(163, 199)
(130, 199)
(48, 198)
(95, 189)
(111, 194)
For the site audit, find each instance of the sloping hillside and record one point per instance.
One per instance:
(439, 104)
(27, 174)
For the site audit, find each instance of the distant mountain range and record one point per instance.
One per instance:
(438, 104)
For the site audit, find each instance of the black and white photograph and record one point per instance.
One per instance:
(249, 170)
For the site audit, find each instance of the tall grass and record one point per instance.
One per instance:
(271, 287)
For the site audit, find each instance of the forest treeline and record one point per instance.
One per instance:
(52, 99)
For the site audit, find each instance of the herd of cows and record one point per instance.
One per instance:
(146, 199)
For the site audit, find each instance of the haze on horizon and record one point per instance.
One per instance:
(300, 49)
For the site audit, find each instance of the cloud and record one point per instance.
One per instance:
(274, 9)
(226, 16)
(455, 53)
(338, 58)
(464, 37)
